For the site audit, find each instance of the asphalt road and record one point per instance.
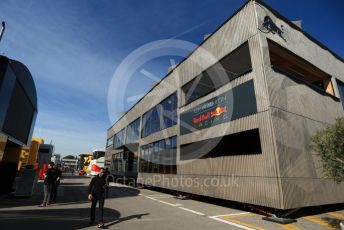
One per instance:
(144, 209)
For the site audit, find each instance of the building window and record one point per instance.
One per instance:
(109, 142)
(242, 143)
(284, 61)
(133, 132)
(117, 162)
(341, 91)
(159, 156)
(233, 65)
(161, 116)
(119, 139)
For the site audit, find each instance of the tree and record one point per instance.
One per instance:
(329, 144)
(69, 157)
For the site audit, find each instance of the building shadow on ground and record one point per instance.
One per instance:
(118, 191)
(68, 193)
(15, 213)
(71, 184)
(74, 176)
(41, 218)
(123, 219)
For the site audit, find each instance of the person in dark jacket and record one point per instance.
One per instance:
(96, 193)
(55, 185)
(50, 177)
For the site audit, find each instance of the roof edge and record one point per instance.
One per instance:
(291, 24)
(169, 73)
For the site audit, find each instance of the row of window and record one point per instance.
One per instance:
(109, 142)
(235, 64)
(161, 116)
(131, 135)
(164, 114)
(159, 156)
(241, 143)
(124, 162)
(118, 139)
(133, 132)
(286, 62)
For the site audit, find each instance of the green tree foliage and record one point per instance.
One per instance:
(329, 144)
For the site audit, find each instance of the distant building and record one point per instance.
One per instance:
(56, 159)
(69, 164)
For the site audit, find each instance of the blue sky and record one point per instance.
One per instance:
(72, 49)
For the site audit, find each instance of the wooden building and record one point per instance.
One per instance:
(236, 125)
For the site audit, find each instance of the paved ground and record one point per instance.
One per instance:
(130, 208)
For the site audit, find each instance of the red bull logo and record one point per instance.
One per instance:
(218, 111)
(201, 118)
(214, 113)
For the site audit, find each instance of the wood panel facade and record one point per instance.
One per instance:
(285, 173)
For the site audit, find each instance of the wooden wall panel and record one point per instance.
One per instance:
(297, 112)
(286, 174)
(262, 191)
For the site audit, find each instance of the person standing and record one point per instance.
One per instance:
(50, 177)
(55, 185)
(96, 194)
